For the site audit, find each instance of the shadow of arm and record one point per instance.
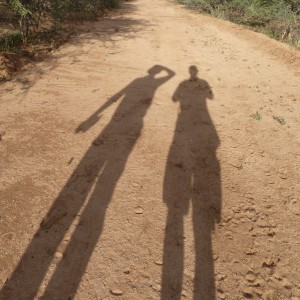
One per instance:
(177, 94)
(95, 117)
(210, 94)
(169, 75)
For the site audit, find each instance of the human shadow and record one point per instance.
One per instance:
(86, 196)
(192, 176)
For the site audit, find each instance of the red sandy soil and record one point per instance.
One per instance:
(123, 177)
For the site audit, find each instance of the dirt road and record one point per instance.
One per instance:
(155, 156)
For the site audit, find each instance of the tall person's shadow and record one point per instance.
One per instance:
(87, 193)
(192, 176)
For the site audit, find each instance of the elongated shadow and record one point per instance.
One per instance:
(90, 188)
(192, 176)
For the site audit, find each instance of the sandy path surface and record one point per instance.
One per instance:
(123, 176)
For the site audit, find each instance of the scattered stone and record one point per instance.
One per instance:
(227, 219)
(269, 271)
(138, 210)
(257, 283)
(250, 227)
(247, 292)
(236, 222)
(250, 213)
(156, 287)
(220, 277)
(67, 238)
(270, 295)
(263, 223)
(215, 257)
(269, 262)
(158, 262)
(2, 133)
(58, 254)
(127, 271)
(184, 294)
(250, 277)
(286, 283)
(228, 235)
(116, 292)
(271, 232)
(250, 251)
(277, 275)
(236, 209)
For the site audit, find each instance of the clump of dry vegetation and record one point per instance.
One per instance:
(279, 19)
(29, 25)
(20, 19)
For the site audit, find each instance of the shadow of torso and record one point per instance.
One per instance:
(192, 153)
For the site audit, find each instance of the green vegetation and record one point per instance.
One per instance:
(257, 116)
(22, 20)
(279, 19)
(10, 42)
(281, 120)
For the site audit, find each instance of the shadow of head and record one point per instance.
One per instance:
(193, 70)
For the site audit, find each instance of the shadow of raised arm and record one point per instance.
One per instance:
(143, 81)
(168, 76)
(95, 117)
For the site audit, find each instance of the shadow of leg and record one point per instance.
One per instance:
(172, 273)
(70, 270)
(204, 282)
(206, 209)
(26, 279)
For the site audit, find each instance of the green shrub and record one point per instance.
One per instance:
(277, 18)
(33, 13)
(10, 42)
(114, 3)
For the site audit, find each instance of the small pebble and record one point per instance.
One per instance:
(277, 275)
(58, 254)
(184, 294)
(286, 283)
(156, 287)
(116, 292)
(220, 277)
(247, 292)
(250, 277)
(138, 210)
(249, 251)
(269, 262)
